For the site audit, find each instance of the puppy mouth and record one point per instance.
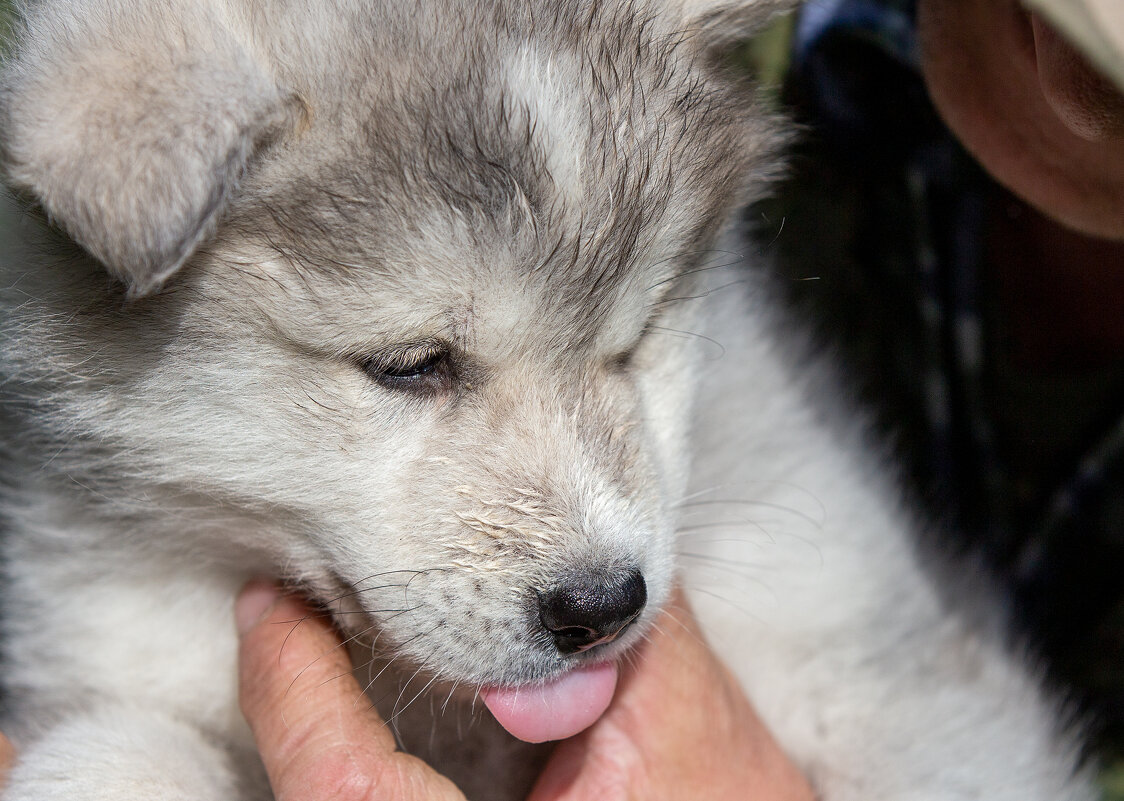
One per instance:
(556, 709)
(580, 617)
(587, 628)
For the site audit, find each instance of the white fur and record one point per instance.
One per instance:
(542, 202)
(809, 579)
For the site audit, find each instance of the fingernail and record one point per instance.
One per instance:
(254, 602)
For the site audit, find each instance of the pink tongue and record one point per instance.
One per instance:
(555, 710)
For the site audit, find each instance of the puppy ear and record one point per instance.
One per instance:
(131, 125)
(724, 22)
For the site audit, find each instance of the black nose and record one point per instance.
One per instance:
(592, 610)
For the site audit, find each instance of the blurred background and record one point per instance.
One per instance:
(987, 363)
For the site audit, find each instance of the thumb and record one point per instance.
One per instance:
(7, 759)
(318, 735)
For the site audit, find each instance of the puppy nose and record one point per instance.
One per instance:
(586, 612)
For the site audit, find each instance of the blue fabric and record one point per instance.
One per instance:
(902, 219)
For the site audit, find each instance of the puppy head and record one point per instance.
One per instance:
(422, 348)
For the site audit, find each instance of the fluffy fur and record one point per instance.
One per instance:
(299, 201)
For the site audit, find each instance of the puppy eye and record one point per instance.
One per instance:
(413, 369)
(421, 368)
(622, 361)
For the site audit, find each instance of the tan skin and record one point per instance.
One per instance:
(678, 723)
(1044, 124)
(1031, 110)
(7, 758)
(318, 744)
(1047, 126)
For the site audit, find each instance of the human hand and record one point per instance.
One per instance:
(678, 724)
(298, 694)
(679, 727)
(1028, 105)
(7, 759)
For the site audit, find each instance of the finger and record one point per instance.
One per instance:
(317, 733)
(679, 720)
(610, 761)
(7, 759)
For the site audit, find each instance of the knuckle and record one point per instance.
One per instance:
(340, 776)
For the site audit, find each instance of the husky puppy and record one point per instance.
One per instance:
(422, 307)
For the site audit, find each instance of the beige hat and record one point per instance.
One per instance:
(1095, 26)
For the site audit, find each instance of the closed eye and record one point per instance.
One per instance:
(424, 367)
(624, 359)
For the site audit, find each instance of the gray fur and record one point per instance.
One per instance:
(296, 196)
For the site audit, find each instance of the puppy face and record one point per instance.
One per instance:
(425, 357)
